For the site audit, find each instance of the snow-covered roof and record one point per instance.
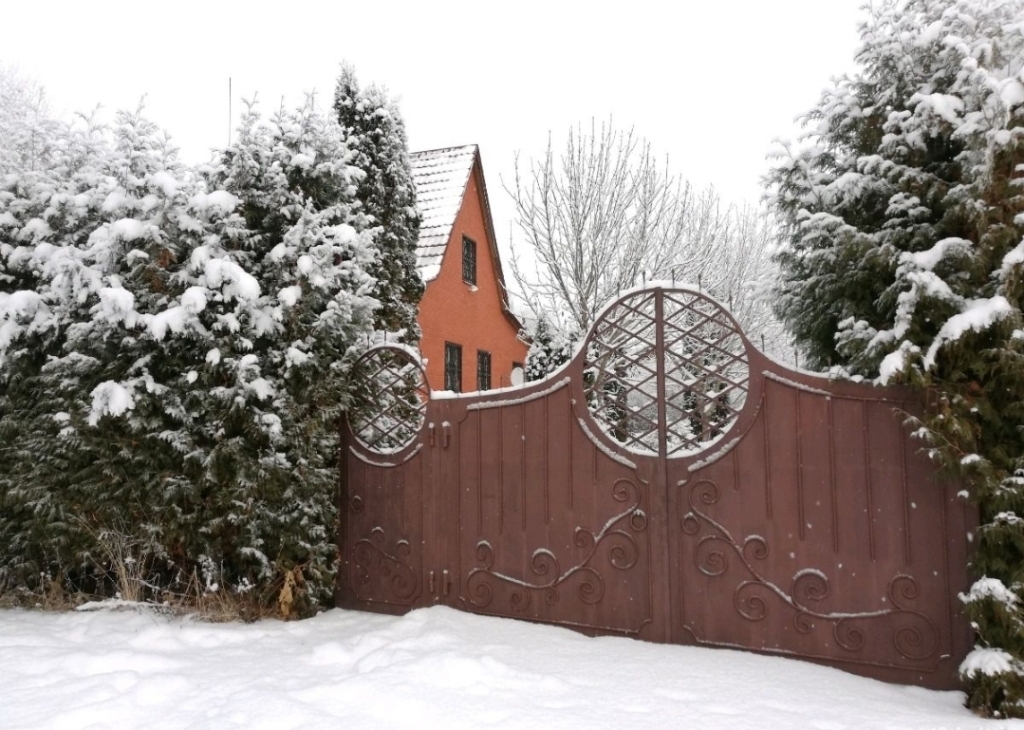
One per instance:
(440, 177)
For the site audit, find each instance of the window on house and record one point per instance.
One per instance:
(483, 370)
(452, 367)
(468, 260)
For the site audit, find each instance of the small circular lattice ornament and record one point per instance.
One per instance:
(389, 392)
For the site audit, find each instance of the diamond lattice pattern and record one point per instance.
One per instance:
(390, 397)
(703, 366)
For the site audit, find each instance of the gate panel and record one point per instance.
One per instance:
(836, 552)
(385, 516)
(671, 483)
(387, 503)
(551, 528)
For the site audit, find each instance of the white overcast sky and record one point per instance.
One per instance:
(709, 83)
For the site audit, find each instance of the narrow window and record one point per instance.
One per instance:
(483, 370)
(452, 367)
(468, 260)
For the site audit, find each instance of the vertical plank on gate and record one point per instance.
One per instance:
(658, 510)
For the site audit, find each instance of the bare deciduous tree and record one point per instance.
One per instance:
(25, 123)
(603, 215)
(595, 220)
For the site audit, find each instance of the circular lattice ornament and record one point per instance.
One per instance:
(389, 399)
(672, 357)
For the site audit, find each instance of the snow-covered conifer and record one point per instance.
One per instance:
(87, 248)
(376, 134)
(171, 351)
(550, 348)
(300, 264)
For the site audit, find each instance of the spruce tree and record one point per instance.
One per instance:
(377, 138)
(903, 215)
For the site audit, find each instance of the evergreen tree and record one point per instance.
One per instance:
(307, 246)
(377, 137)
(171, 354)
(550, 348)
(903, 258)
(89, 244)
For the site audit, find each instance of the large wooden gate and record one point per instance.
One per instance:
(670, 483)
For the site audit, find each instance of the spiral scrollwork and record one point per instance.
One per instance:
(480, 592)
(748, 602)
(847, 635)
(615, 540)
(625, 491)
(903, 588)
(705, 491)
(519, 599)
(591, 587)
(544, 563)
(624, 552)
(710, 556)
(583, 538)
(809, 585)
(913, 639)
(370, 559)
(803, 622)
(756, 547)
(485, 553)
(913, 635)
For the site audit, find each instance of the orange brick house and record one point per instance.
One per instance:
(470, 338)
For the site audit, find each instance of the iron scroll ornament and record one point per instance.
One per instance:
(669, 361)
(371, 558)
(914, 636)
(623, 554)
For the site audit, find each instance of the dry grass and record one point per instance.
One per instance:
(50, 596)
(219, 605)
(127, 565)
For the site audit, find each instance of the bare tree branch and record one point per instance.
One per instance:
(26, 139)
(603, 215)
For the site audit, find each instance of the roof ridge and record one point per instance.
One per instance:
(443, 149)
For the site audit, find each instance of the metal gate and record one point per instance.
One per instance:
(671, 483)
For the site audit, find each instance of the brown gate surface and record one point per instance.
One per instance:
(670, 483)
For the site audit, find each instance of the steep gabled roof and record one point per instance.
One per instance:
(440, 177)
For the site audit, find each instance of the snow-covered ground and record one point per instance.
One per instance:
(434, 668)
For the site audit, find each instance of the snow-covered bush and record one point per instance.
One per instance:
(903, 214)
(171, 352)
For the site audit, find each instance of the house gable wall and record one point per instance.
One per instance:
(471, 316)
